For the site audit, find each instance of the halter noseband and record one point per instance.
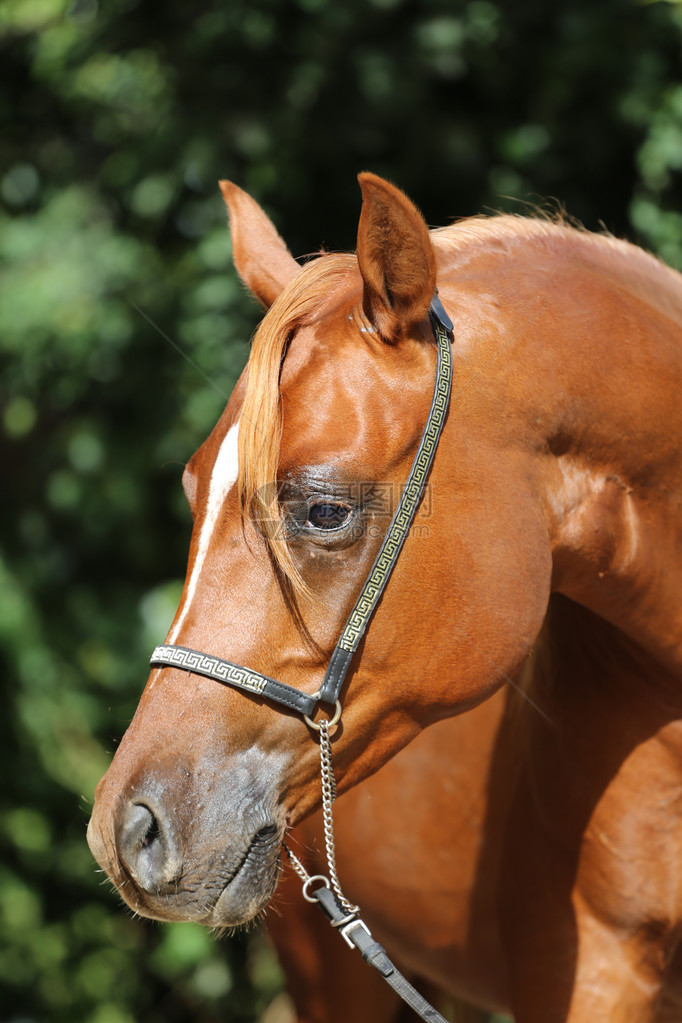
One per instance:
(252, 681)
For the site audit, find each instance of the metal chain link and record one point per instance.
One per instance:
(328, 797)
(296, 864)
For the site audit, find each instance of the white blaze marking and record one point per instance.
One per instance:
(223, 478)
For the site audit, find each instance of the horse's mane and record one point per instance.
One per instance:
(323, 284)
(619, 262)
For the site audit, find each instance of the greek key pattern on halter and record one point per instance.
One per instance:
(407, 506)
(212, 667)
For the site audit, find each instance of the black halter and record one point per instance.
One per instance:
(331, 900)
(261, 685)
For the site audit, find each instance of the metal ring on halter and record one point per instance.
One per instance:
(332, 721)
(315, 877)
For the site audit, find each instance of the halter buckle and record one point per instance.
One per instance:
(353, 925)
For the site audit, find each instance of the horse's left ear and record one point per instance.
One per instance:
(260, 256)
(396, 258)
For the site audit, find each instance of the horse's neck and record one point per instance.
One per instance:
(616, 480)
(604, 701)
(591, 350)
(618, 552)
(581, 652)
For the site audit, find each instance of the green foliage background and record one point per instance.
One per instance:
(116, 120)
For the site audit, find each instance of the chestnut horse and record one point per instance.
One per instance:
(527, 854)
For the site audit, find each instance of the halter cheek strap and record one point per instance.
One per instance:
(402, 520)
(252, 681)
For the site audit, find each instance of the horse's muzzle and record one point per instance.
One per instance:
(169, 863)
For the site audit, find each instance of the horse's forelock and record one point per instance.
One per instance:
(313, 294)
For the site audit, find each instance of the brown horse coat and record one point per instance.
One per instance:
(536, 861)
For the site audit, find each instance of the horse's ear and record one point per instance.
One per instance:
(260, 256)
(396, 258)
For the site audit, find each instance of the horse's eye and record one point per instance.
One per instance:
(328, 515)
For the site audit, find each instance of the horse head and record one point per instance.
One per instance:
(291, 496)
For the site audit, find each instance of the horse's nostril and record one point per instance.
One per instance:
(139, 829)
(153, 831)
(265, 835)
(147, 847)
(139, 823)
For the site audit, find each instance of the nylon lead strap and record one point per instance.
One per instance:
(356, 934)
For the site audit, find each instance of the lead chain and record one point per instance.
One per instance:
(328, 797)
